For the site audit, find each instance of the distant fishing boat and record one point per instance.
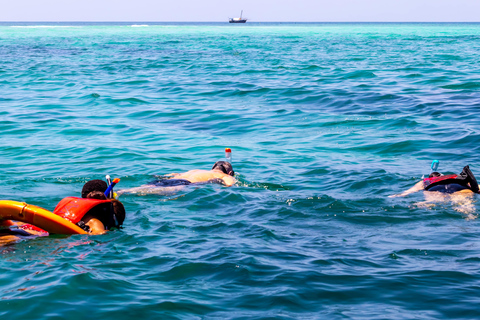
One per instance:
(237, 20)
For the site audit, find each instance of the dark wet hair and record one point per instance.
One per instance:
(118, 211)
(93, 185)
(96, 195)
(224, 166)
(435, 174)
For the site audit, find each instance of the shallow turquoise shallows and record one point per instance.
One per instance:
(325, 121)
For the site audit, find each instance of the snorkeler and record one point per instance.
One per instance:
(221, 173)
(465, 182)
(93, 213)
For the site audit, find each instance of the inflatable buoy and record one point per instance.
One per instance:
(39, 217)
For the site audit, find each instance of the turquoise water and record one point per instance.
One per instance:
(324, 120)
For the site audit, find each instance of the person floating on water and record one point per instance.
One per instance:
(464, 182)
(455, 189)
(221, 173)
(94, 213)
(105, 217)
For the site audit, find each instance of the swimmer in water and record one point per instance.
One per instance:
(452, 183)
(95, 189)
(458, 189)
(221, 173)
(95, 220)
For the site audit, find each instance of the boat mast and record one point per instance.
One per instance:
(241, 15)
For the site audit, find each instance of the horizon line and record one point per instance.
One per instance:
(224, 21)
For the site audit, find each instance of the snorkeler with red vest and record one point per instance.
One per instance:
(95, 212)
(463, 183)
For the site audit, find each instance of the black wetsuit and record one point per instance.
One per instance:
(171, 182)
(448, 188)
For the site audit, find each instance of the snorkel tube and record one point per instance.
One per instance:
(109, 182)
(434, 166)
(228, 155)
(110, 187)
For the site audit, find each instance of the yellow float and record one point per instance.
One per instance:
(37, 216)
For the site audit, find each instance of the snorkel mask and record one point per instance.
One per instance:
(225, 167)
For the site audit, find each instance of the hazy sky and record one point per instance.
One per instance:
(255, 10)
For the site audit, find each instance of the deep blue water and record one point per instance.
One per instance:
(325, 122)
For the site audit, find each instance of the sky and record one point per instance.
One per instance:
(254, 10)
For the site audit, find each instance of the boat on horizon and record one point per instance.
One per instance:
(237, 20)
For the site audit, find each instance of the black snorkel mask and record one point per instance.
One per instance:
(113, 220)
(225, 167)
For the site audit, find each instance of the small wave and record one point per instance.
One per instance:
(126, 101)
(449, 57)
(413, 75)
(462, 86)
(139, 25)
(360, 74)
(312, 67)
(266, 186)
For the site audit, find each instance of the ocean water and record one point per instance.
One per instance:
(325, 122)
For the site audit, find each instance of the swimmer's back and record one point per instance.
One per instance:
(449, 188)
(205, 176)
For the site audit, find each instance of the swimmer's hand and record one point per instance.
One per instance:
(171, 175)
(403, 194)
(5, 240)
(417, 187)
(396, 195)
(96, 226)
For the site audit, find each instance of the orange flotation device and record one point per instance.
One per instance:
(74, 209)
(38, 217)
(63, 220)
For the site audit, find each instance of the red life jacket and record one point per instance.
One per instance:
(433, 180)
(74, 209)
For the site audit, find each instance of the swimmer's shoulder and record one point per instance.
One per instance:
(196, 175)
(95, 226)
(190, 172)
(206, 176)
(187, 173)
(227, 180)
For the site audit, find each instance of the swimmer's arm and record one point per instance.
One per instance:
(4, 240)
(10, 223)
(19, 224)
(417, 187)
(228, 181)
(171, 175)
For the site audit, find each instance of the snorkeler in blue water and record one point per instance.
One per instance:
(457, 190)
(221, 173)
(93, 213)
(465, 182)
